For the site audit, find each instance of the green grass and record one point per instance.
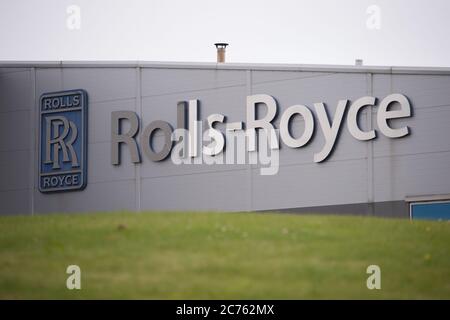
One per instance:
(222, 256)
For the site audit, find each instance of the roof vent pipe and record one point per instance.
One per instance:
(221, 51)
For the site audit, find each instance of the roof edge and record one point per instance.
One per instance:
(227, 66)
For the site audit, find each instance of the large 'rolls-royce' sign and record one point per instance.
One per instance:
(188, 126)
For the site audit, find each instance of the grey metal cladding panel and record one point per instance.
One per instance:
(14, 170)
(412, 175)
(429, 132)
(99, 126)
(102, 83)
(16, 93)
(381, 85)
(270, 76)
(100, 168)
(224, 191)
(327, 88)
(15, 130)
(423, 91)
(107, 196)
(167, 81)
(48, 80)
(100, 118)
(15, 202)
(329, 183)
(230, 102)
(429, 125)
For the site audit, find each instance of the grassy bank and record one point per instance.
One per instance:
(219, 255)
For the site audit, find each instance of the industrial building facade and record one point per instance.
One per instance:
(93, 106)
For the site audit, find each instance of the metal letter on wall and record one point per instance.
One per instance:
(63, 141)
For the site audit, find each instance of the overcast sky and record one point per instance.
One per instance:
(389, 32)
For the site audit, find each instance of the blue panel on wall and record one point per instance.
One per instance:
(431, 210)
(63, 141)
